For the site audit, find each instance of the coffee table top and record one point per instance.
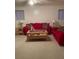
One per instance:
(37, 31)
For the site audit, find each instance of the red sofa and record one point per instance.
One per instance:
(58, 34)
(37, 26)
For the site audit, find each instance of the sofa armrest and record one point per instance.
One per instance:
(25, 29)
(59, 36)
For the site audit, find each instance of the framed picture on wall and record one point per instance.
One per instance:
(61, 14)
(19, 14)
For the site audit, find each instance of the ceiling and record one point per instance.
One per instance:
(39, 2)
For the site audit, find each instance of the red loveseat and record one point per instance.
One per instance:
(59, 35)
(37, 26)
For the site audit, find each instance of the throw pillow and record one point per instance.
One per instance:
(28, 26)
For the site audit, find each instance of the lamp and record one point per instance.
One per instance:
(32, 2)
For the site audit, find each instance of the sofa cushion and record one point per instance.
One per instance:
(45, 25)
(37, 25)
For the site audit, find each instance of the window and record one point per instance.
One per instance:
(19, 14)
(61, 14)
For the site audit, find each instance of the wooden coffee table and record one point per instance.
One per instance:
(37, 35)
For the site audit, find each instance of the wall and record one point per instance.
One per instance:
(44, 13)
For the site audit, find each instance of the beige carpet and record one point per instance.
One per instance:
(37, 49)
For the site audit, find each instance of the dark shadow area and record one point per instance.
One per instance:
(40, 39)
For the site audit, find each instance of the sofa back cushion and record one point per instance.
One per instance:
(37, 25)
(45, 25)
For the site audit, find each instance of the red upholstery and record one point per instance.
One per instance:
(59, 35)
(37, 25)
(25, 29)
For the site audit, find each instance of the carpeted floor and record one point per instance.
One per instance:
(37, 49)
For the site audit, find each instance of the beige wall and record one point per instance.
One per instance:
(46, 13)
